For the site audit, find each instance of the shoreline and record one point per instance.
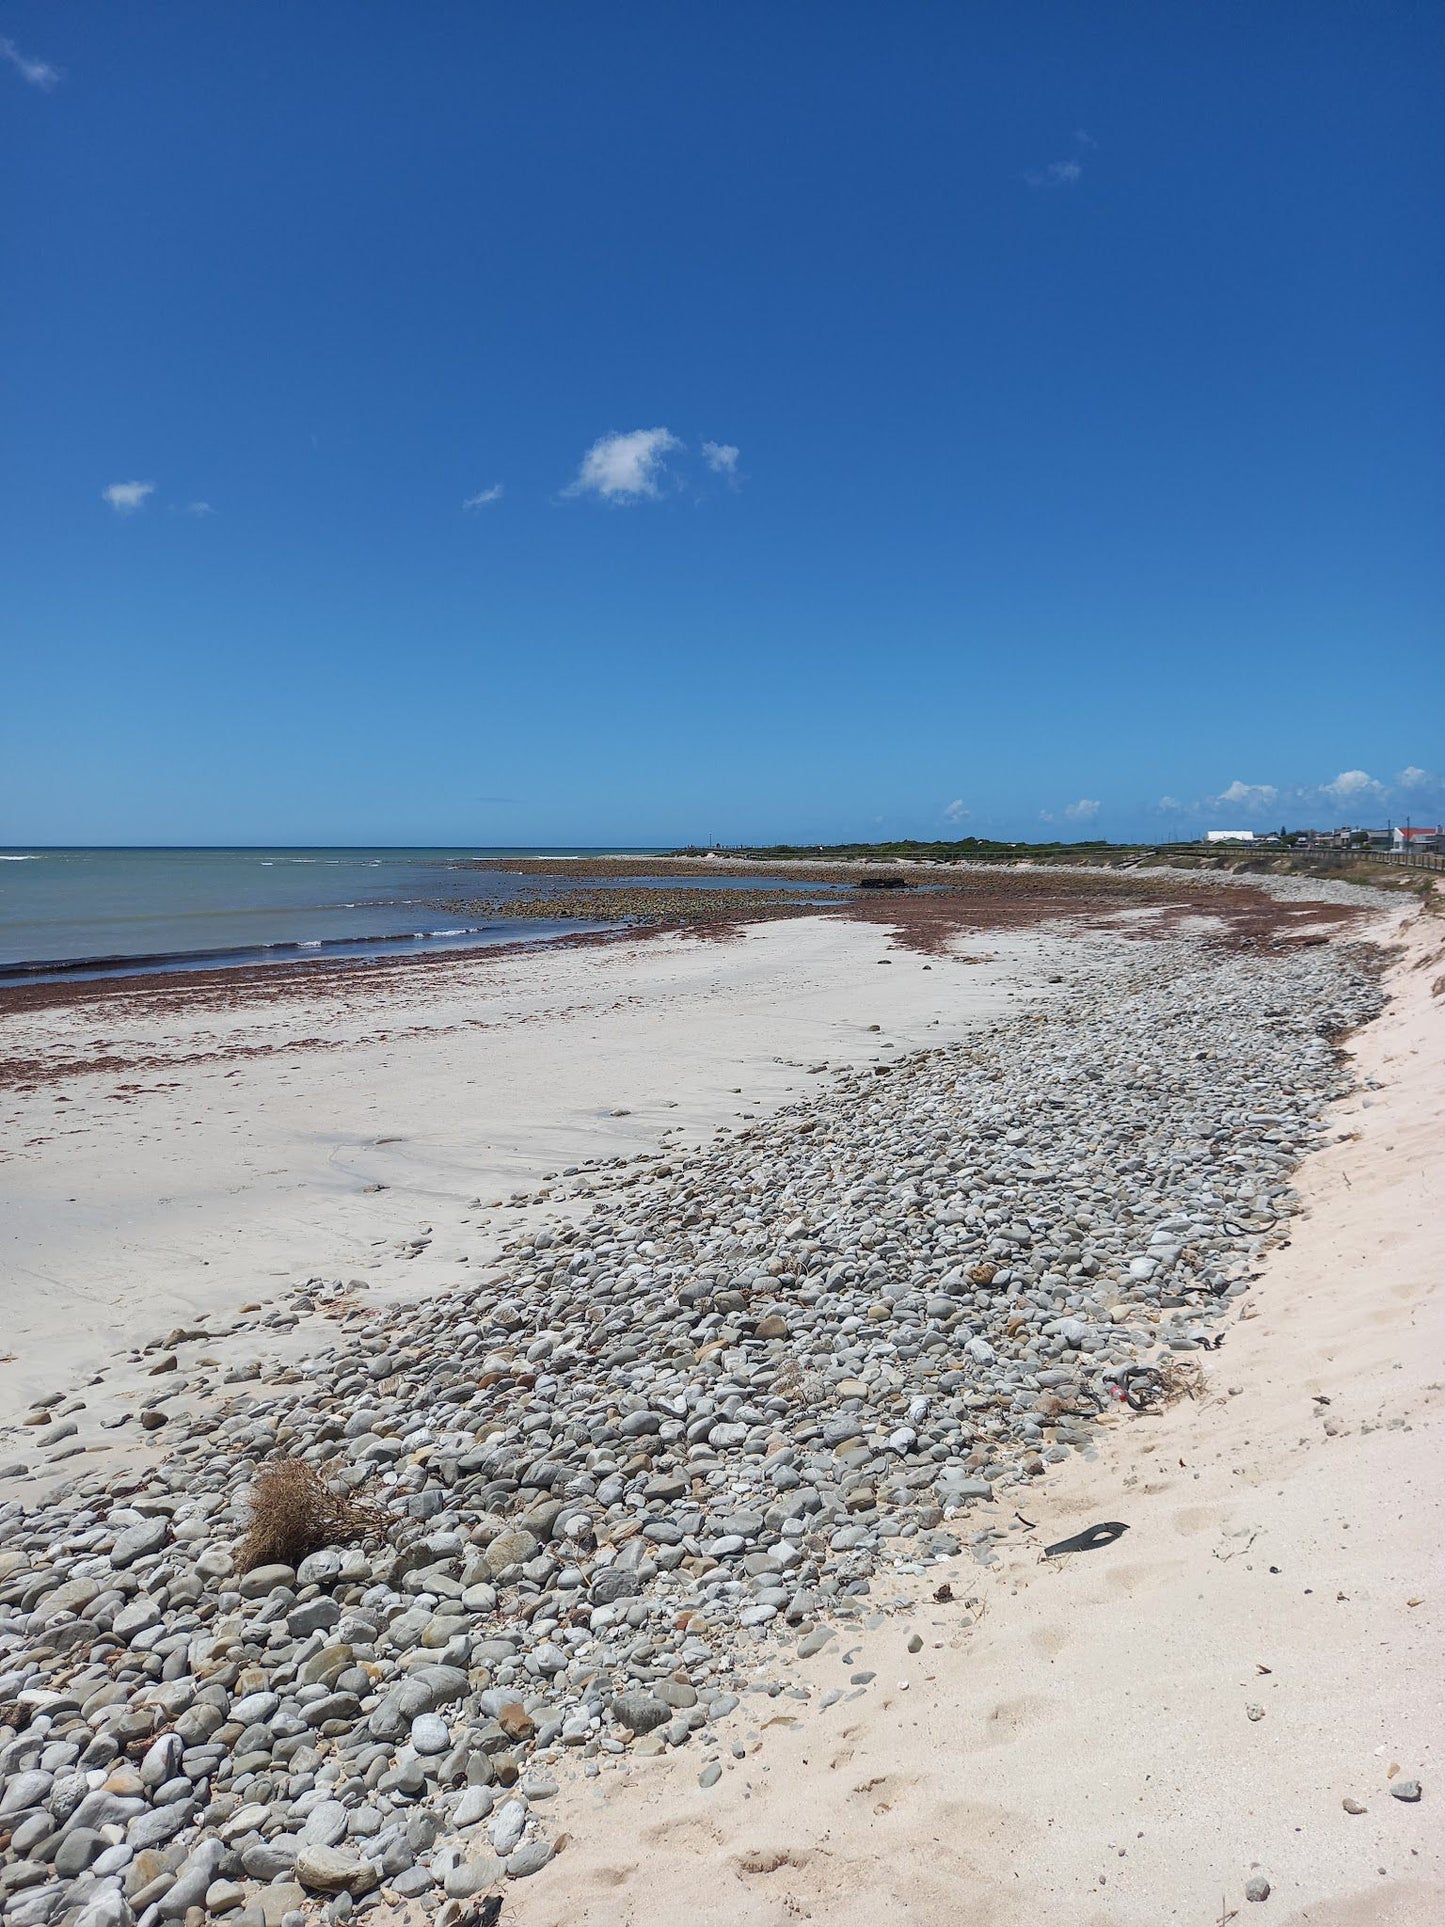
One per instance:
(955, 901)
(172, 1157)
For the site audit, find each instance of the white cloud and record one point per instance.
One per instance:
(1065, 173)
(1046, 816)
(625, 468)
(1169, 803)
(1415, 778)
(480, 501)
(1246, 796)
(39, 73)
(1056, 174)
(198, 509)
(721, 458)
(126, 497)
(957, 811)
(1353, 785)
(1084, 811)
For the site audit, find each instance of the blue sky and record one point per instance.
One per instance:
(577, 424)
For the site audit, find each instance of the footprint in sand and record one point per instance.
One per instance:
(691, 1836)
(613, 1876)
(1049, 1640)
(885, 1792)
(1135, 1578)
(1199, 1518)
(1011, 1718)
(770, 1859)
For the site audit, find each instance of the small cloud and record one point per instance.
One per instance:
(1056, 174)
(1415, 778)
(957, 812)
(1046, 816)
(1246, 796)
(1353, 785)
(198, 509)
(721, 458)
(492, 494)
(625, 468)
(126, 497)
(1084, 811)
(39, 73)
(1065, 173)
(1170, 803)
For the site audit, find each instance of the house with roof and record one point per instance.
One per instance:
(1418, 837)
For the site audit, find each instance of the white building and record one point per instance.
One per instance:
(1229, 836)
(1418, 837)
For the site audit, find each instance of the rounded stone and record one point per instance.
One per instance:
(330, 1870)
(430, 1734)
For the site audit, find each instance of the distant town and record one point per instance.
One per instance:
(1408, 839)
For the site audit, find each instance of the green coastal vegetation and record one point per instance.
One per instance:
(1282, 855)
(966, 849)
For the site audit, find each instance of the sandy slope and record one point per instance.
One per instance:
(228, 1151)
(1083, 1752)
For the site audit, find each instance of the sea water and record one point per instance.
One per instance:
(103, 912)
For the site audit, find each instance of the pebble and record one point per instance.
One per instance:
(330, 1870)
(1407, 1790)
(507, 1826)
(529, 1858)
(646, 1461)
(474, 1876)
(430, 1733)
(1256, 1887)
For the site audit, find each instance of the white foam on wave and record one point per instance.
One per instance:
(20, 859)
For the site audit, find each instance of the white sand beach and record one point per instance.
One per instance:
(226, 1148)
(1111, 1738)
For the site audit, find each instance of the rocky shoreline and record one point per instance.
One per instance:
(761, 1395)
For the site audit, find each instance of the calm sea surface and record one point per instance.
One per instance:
(113, 912)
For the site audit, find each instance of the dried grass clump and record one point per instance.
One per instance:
(294, 1512)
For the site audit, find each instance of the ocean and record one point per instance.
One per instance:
(108, 912)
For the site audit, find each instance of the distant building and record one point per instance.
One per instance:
(1417, 837)
(1229, 836)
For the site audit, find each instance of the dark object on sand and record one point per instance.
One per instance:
(294, 1512)
(944, 1595)
(1090, 1541)
(487, 1914)
(1142, 1387)
(884, 883)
